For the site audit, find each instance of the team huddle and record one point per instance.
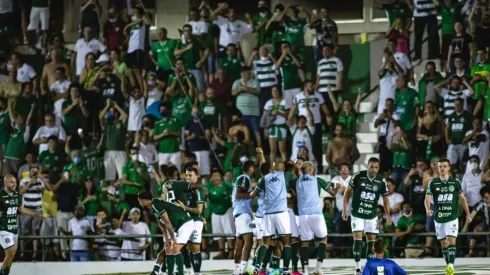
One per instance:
(287, 218)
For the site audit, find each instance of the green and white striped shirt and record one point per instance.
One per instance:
(265, 72)
(449, 98)
(328, 69)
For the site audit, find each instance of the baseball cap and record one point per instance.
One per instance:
(134, 209)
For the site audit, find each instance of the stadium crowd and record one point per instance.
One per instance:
(93, 126)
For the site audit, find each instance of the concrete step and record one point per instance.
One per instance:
(363, 160)
(367, 127)
(366, 148)
(367, 137)
(370, 117)
(367, 106)
(358, 167)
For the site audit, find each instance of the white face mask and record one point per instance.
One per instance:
(134, 18)
(474, 165)
(134, 157)
(407, 215)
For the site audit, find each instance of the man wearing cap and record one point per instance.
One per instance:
(59, 93)
(133, 249)
(247, 101)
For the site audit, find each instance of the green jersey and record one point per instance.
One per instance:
(130, 169)
(9, 203)
(446, 198)
(290, 74)
(329, 220)
(366, 195)
(178, 190)
(404, 223)
(295, 31)
(182, 79)
(4, 127)
(485, 96)
(115, 136)
(450, 15)
(404, 13)
(92, 205)
(192, 56)
(459, 125)
(195, 198)
(163, 52)
(77, 173)
(23, 105)
(18, 143)
(211, 111)
(176, 214)
(219, 197)
(350, 123)
(74, 119)
(481, 85)
(168, 144)
(406, 104)
(231, 66)
(92, 158)
(258, 19)
(401, 157)
(182, 108)
(51, 161)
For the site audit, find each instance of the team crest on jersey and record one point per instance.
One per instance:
(375, 188)
(451, 188)
(7, 240)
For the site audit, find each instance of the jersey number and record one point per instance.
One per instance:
(171, 196)
(445, 197)
(12, 211)
(368, 196)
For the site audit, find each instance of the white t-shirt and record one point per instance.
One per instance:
(478, 148)
(137, 37)
(402, 60)
(80, 228)
(279, 119)
(231, 32)
(199, 27)
(301, 138)
(385, 130)
(387, 87)
(82, 48)
(315, 102)
(136, 113)
(339, 197)
(45, 132)
(25, 73)
(147, 153)
(129, 247)
(108, 247)
(6, 6)
(59, 88)
(154, 96)
(471, 185)
(394, 199)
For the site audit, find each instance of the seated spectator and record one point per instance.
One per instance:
(277, 132)
(481, 222)
(402, 155)
(396, 200)
(430, 138)
(340, 150)
(133, 249)
(79, 226)
(409, 223)
(457, 125)
(89, 199)
(471, 183)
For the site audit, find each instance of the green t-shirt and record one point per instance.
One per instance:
(450, 15)
(481, 85)
(182, 108)
(168, 144)
(227, 164)
(295, 33)
(366, 195)
(130, 170)
(404, 223)
(219, 197)
(73, 119)
(4, 127)
(404, 13)
(211, 111)
(92, 205)
(290, 74)
(401, 157)
(459, 125)
(329, 221)
(23, 105)
(195, 198)
(176, 214)
(350, 123)
(164, 53)
(446, 198)
(78, 173)
(192, 56)
(17, 144)
(115, 136)
(406, 104)
(485, 96)
(9, 204)
(231, 66)
(262, 38)
(51, 161)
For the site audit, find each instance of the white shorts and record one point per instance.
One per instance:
(8, 239)
(113, 164)
(446, 229)
(312, 226)
(223, 224)
(184, 233)
(174, 158)
(455, 153)
(196, 236)
(289, 96)
(293, 224)
(202, 158)
(277, 224)
(259, 228)
(362, 225)
(243, 224)
(39, 14)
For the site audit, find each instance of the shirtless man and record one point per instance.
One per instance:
(49, 71)
(340, 150)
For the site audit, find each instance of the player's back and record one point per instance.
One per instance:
(275, 199)
(177, 215)
(241, 206)
(308, 194)
(378, 266)
(177, 190)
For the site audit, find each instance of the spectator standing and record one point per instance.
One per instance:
(10, 88)
(461, 68)
(340, 150)
(134, 177)
(231, 64)
(87, 44)
(109, 249)
(58, 44)
(450, 13)
(414, 188)
(407, 107)
(399, 10)
(60, 90)
(457, 125)
(396, 200)
(50, 76)
(265, 72)
(260, 21)
(74, 111)
(5, 122)
(40, 14)
(49, 225)
(79, 226)
(277, 132)
(292, 74)
(461, 44)
(302, 134)
(25, 72)
(162, 54)
(247, 93)
(89, 199)
(427, 83)
(430, 133)
(231, 29)
(341, 182)
(49, 129)
(147, 153)
(385, 122)
(455, 90)
(24, 102)
(388, 75)
(425, 14)
(114, 120)
(113, 30)
(326, 32)
(295, 29)
(347, 116)
(31, 189)
(51, 160)
(329, 75)
(167, 132)
(198, 135)
(133, 249)
(30, 159)
(402, 155)
(137, 101)
(392, 54)
(212, 110)
(90, 13)
(472, 182)
(479, 73)
(478, 141)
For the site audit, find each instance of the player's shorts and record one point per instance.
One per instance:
(312, 226)
(8, 239)
(446, 229)
(223, 224)
(363, 225)
(277, 224)
(259, 228)
(293, 224)
(243, 224)
(196, 235)
(184, 233)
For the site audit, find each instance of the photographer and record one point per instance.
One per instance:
(385, 123)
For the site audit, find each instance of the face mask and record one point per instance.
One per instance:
(474, 165)
(134, 157)
(165, 113)
(407, 215)
(112, 20)
(195, 116)
(134, 18)
(151, 82)
(109, 116)
(76, 160)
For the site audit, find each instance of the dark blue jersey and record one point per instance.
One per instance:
(379, 266)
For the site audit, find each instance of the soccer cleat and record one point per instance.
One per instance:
(449, 270)
(276, 272)
(358, 272)
(250, 270)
